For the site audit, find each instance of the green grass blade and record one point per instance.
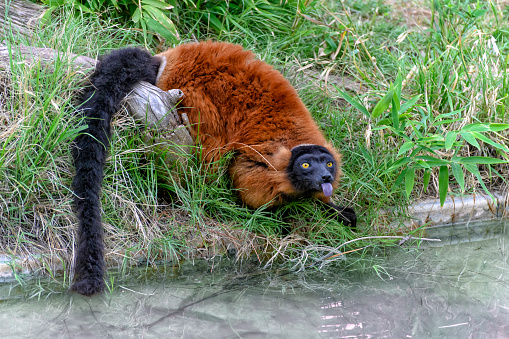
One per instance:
(487, 140)
(409, 104)
(457, 171)
(406, 147)
(409, 181)
(426, 178)
(450, 138)
(382, 105)
(353, 102)
(443, 183)
(470, 139)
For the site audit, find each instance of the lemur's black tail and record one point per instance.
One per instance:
(113, 79)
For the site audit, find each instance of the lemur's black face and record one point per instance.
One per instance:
(312, 169)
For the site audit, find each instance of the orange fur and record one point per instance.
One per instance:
(238, 103)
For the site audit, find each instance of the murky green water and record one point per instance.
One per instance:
(459, 289)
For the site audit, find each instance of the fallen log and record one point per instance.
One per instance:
(20, 16)
(150, 106)
(30, 56)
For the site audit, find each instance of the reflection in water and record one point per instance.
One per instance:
(457, 290)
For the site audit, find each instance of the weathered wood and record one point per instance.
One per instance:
(21, 16)
(155, 109)
(46, 56)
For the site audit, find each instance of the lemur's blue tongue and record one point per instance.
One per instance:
(327, 189)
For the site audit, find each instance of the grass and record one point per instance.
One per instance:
(150, 218)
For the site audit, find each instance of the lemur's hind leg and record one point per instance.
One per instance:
(260, 183)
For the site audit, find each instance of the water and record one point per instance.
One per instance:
(457, 289)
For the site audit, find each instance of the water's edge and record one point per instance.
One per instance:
(456, 210)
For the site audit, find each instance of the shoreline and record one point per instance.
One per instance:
(456, 210)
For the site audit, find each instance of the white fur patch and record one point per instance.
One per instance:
(161, 68)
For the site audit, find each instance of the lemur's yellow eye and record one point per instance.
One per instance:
(329, 164)
(305, 165)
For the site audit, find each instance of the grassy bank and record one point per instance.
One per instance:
(414, 94)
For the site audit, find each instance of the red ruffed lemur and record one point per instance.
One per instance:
(235, 103)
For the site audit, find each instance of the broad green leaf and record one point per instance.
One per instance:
(396, 100)
(478, 13)
(214, 21)
(476, 128)
(398, 164)
(457, 171)
(450, 138)
(443, 183)
(426, 158)
(388, 122)
(400, 178)
(136, 15)
(425, 179)
(409, 181)
(445, 122)
(160, 17)
(416, 151)
(407, 105)
(382, 105)
(71, 133)
(423, 164)
(405, 147)
(475, 171)
(434, 137)
(489, 141)
(353, 102)
(161, 30)
(433, 162)
(384, 127)
(445, 115)
(157, 3)
(478, 160)
(415, 128)
(144, 29)
(83, 7)
(46, 18)
(498, 127)
(437, 162)
(470, 139)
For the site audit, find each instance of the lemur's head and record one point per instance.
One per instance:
(312, 168)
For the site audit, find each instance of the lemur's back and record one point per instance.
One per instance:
(234, 100)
